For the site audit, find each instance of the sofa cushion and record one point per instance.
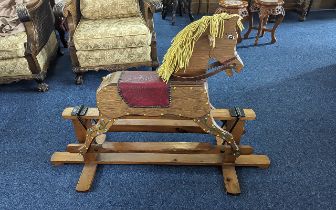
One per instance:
(14, 68)
(114, 56)
(12, 46)
(112, 33)
(102, 9)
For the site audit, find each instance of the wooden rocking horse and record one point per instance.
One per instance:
(173, 100)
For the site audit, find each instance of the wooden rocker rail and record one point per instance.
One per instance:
(165, 153)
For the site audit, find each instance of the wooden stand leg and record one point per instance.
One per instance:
(231, 182)
(277, 23)
(250, 19)
(86, 179)
(261, 26)
(264, 28)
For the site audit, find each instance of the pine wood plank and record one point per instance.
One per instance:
(261, 161)
(231, 182)
(218, 114)
(86, 179)
(157, 147)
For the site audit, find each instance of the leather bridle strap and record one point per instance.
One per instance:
(222, 67)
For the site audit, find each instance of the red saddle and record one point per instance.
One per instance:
(143, 89)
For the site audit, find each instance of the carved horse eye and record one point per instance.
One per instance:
(230, 36)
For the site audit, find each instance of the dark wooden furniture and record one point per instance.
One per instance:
(171, 6)
(73, 15)
(39, 44)
(189, 111)
(234, 7)
(265, 10)
(302, 7)
(60, 23)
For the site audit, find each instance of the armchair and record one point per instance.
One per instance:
(26, 55)
(111, 35)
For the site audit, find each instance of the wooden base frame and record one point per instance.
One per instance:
(166, 153)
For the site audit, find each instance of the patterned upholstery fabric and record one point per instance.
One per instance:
(101, 9)
(111, 33)
(14, 67)
(47, 52)
(114, 56)
(12, 46)
(19, 66)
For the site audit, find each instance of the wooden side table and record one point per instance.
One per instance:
(265, 9)
(234, 7)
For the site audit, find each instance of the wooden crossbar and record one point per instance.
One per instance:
(261, 161)
(218, 114)
(158, 147)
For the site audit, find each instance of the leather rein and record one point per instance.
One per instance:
(220, 67)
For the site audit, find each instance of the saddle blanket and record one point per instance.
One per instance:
(143, 89)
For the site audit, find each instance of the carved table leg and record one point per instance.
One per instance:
(263, 29)
(250, 27)
(277, 23)
(260, 28)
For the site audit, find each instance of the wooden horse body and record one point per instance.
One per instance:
(189, 105)
(189, 95)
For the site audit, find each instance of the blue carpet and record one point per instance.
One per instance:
(291, 85)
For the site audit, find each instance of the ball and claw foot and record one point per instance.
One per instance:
(79, 79)
(42, 87)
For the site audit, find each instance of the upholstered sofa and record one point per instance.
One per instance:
(26, 55)
(111, 35)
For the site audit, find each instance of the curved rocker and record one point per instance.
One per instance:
(173, 99)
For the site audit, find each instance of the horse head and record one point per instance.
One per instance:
(210, 37)
(224, 47)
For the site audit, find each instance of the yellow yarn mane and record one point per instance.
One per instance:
(181, 49)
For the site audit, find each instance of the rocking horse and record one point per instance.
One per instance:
(172, 100)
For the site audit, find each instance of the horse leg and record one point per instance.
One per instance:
(102, 126)
(208, 124)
